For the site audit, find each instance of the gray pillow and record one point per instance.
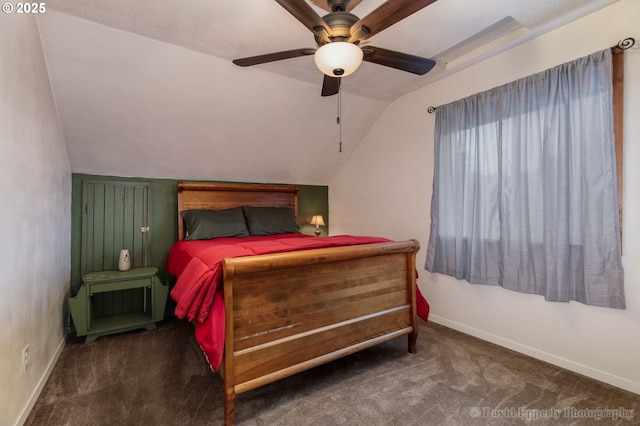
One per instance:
(270, 220)
(208, 224)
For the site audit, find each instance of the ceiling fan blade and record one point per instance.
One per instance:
(330, 85)
(398, 60)
(384, 16)
(352, 4)
(270, 57)
(301, 10)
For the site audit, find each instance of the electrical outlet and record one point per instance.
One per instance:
(25, 358)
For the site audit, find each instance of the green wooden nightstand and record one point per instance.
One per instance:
(106, 281)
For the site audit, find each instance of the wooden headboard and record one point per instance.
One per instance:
(218, 196)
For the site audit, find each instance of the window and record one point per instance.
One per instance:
(525, 186)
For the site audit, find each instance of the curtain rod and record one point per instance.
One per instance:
(624, 44)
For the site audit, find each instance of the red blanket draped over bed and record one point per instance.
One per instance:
(198, 266)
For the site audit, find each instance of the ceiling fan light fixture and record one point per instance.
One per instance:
(338, 59)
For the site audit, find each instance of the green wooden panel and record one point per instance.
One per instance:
(139, 214)
(108, 213)
(114, 212)
(119, 213)
(96, 211)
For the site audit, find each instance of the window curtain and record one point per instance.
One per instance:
(525, 187)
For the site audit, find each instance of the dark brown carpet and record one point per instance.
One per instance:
(161, 378)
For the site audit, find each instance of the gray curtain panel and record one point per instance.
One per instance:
(525, 187)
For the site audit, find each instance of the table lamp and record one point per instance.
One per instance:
(317, 220)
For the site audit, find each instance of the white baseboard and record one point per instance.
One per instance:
(567, 364)
(43, 381)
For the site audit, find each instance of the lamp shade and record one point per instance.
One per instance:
(317, 220)
(338, 59)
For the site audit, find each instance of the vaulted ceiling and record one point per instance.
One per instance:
(147, 87)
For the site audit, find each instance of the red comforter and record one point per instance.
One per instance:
(198, 266)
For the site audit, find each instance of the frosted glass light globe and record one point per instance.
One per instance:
(338, 59)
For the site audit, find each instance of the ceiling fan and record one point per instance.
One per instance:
(338, 35)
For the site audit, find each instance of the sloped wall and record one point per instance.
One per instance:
(35, 193)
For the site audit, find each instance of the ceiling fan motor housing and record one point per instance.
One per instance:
(340, 24)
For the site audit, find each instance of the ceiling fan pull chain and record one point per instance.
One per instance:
(339, 121)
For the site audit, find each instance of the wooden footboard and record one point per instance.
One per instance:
(288, 312)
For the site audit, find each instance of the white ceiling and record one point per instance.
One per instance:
(147, 87)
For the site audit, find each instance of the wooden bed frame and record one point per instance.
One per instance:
(289, 312)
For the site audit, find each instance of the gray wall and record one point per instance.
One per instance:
(35, 219)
